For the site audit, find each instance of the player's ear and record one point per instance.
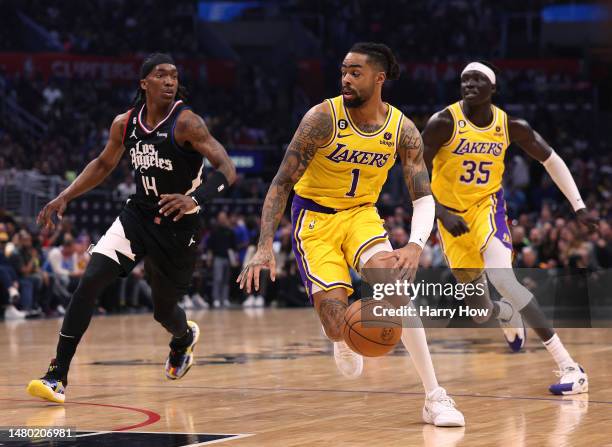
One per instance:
(493, 89)
(381, 77)
(143, 84)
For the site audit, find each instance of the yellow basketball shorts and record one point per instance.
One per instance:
(327, 242)
(486, 219)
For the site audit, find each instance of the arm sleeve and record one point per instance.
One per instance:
(423, 215)
(559, 172)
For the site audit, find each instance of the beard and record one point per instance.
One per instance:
(357, 101)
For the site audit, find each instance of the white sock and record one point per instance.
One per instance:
(415, 342)
(558, 351)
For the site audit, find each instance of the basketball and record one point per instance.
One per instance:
(378, 336)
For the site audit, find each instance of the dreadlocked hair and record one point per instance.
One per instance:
(380, 54)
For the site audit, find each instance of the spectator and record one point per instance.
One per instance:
(222, 255)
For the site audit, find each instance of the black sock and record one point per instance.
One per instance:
(183, 341)
(66, 347)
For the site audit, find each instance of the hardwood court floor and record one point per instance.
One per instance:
(271, 374)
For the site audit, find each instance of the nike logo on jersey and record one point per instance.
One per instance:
(345, 135)
(463, 131)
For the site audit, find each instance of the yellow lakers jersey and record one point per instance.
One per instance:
(470, 166)
(352, 167)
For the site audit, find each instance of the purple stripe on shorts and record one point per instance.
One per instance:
(295, 214)
(503, 232)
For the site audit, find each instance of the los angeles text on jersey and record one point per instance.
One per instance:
(145, 156)
(340, 154)
(478, 147)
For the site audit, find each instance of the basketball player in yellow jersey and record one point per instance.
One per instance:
(337, 163)
(466, 143)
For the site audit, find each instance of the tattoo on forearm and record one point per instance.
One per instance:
(314, 130)
(415, 171)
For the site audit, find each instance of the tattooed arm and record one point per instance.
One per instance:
(314, 131)
(410, 149)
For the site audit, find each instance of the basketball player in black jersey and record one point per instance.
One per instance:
(166, 143)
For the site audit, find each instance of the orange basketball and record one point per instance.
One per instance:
(379, 334)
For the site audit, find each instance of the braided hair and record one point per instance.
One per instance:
(381, 55)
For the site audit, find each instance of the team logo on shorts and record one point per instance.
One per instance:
(387, 136)
(342, 124)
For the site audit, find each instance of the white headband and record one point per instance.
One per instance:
(481, 68)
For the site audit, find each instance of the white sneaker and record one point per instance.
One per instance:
(259, 301)
(514, 329)
(348, 362)
(216, 304)
(199, 302)
(440, 410)
(572, 380)
(12, 313)
(226, 303)
(60, 309)
(249, 302)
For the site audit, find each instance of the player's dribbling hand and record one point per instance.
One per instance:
(454, 224)
(583, 217)
(406, 261)
(262, 259)
(56, 206)
(171, 203)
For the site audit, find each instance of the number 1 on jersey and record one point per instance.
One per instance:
(351, 192)
(149, 184)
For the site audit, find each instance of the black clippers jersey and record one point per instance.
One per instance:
(160, 165)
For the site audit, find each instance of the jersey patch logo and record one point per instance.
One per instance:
(387, 136)
(342, 124)
(461, 124)
(133, 134)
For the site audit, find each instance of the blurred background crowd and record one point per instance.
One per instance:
(65, 73)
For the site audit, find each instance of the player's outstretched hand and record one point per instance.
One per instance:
(583, 217)
(56, 206)
(171, 203)
(262, 259)
(406, 260)
(454, 224)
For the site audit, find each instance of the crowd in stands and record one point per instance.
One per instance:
(39, 269)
